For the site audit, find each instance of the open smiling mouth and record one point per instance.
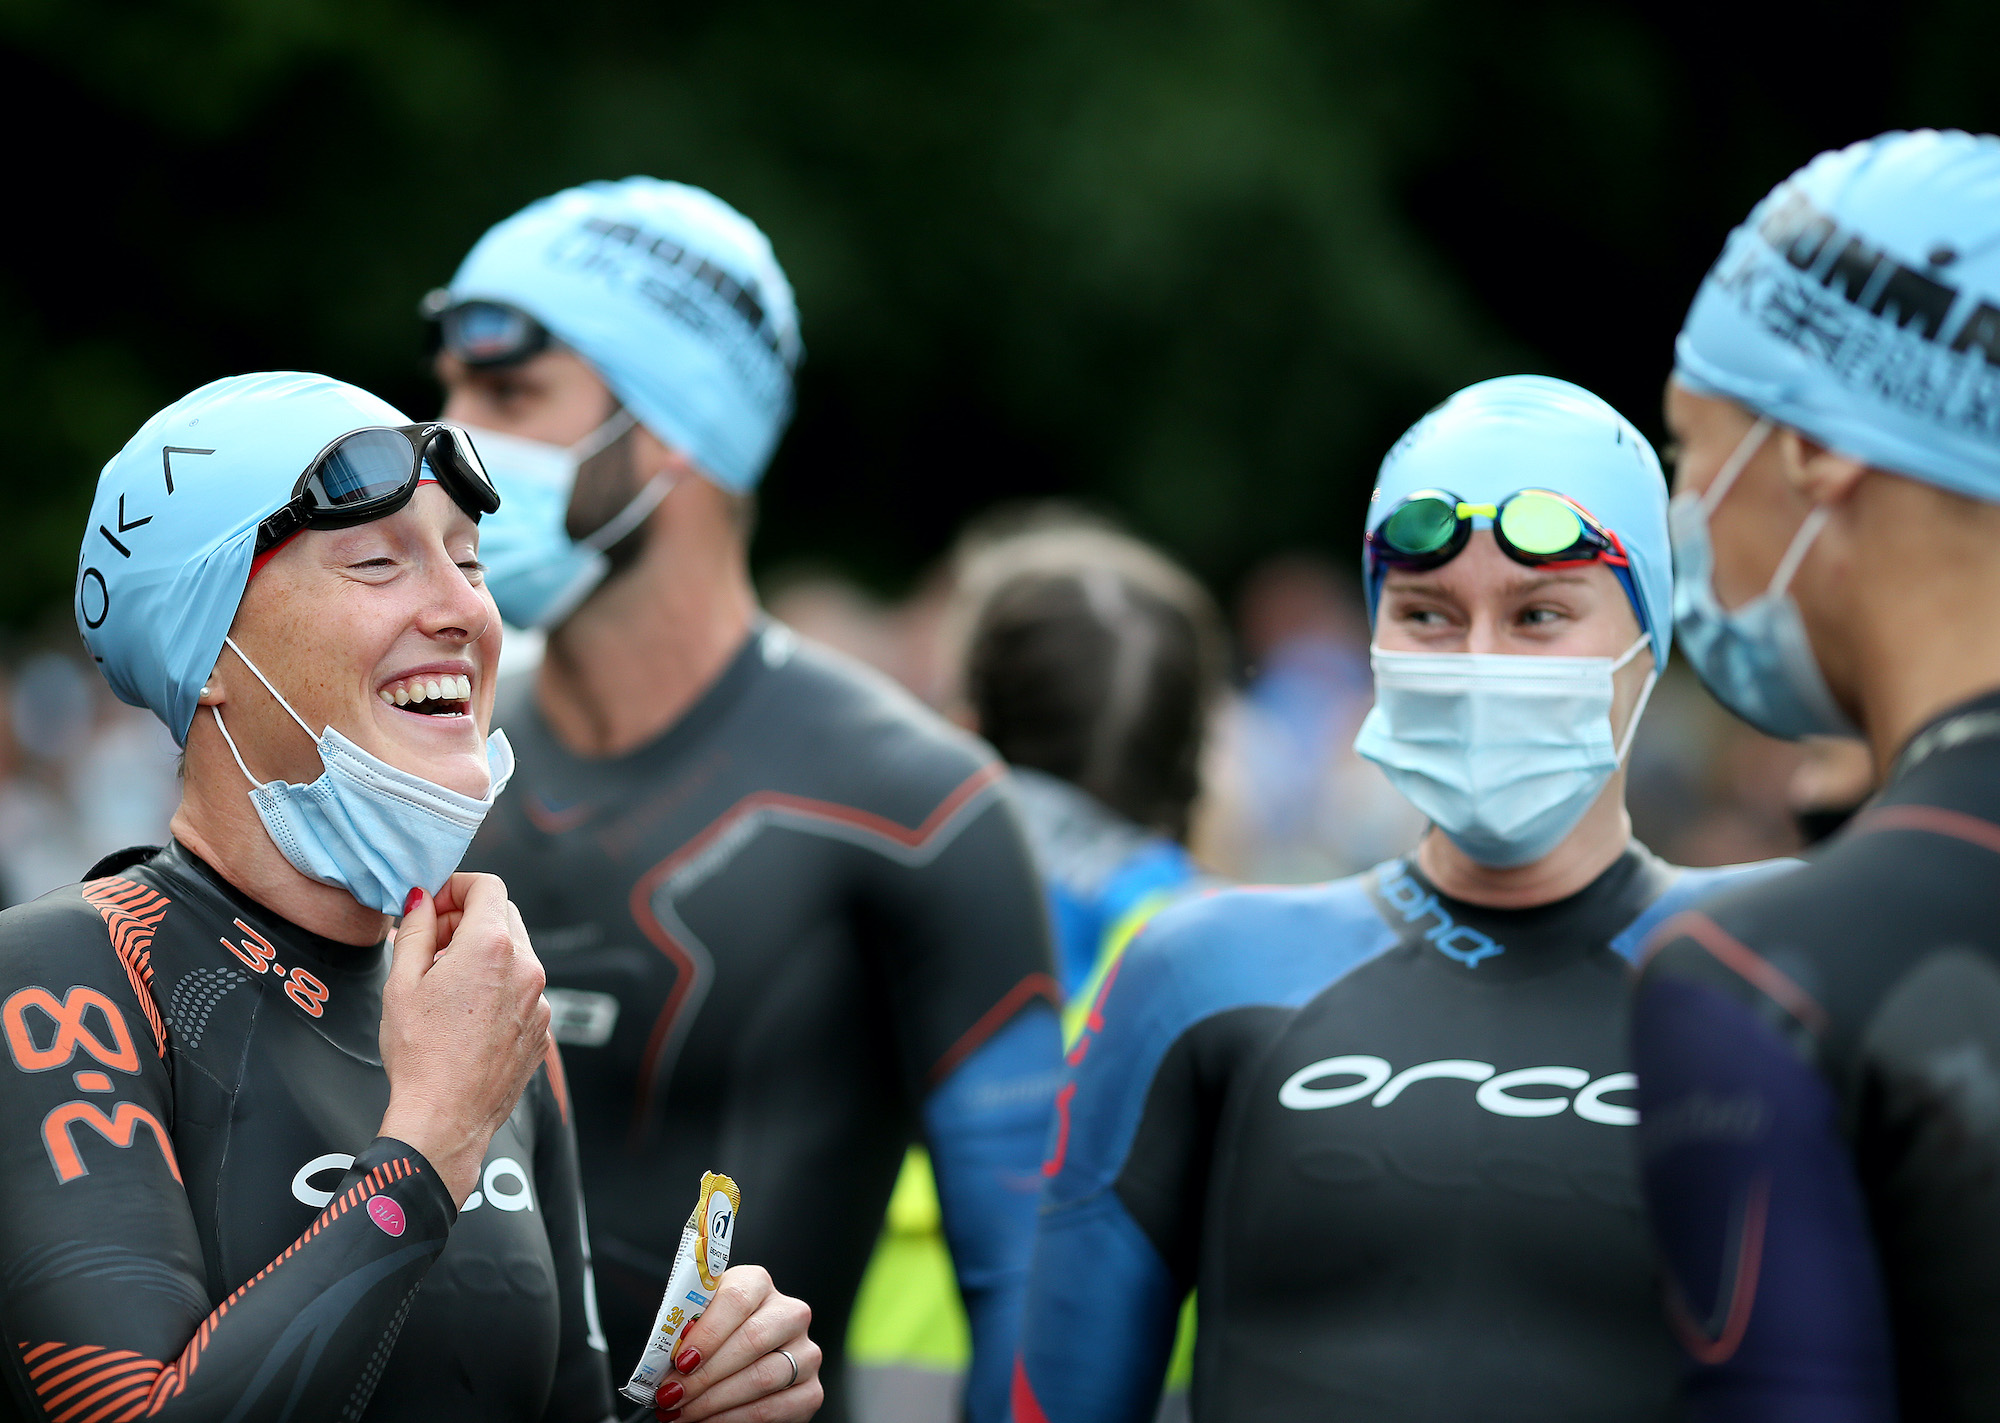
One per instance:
(430, 696)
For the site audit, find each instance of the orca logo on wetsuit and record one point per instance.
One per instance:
(1375, 1079)
(1450, 938)
(503, 1183)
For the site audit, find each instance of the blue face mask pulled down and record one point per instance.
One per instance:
(1502, 752)
(1756, 660)
(364, 826)
(537, 573)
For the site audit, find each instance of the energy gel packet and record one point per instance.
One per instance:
(698, 1265)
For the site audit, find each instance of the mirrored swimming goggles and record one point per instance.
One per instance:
(1536, 527)
(372, 472)
(483, 334)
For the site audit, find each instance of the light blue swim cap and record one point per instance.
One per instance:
(1860, 304)
(1501, 436)
(166, 554)
(676, 300)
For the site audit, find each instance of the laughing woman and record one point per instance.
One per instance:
(246, 1125)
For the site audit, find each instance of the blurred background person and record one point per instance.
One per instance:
(1288, 800)
(789, 917)
(1092, 664)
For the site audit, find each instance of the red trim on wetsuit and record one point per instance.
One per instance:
(1035, 985)
(1742, 1290)
(1932, 820)
(1026, 1408)
(1745, 961)
(867, 822)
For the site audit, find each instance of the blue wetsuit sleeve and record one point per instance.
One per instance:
(1772, 1284)
(1101, 1306)
(985, 1126)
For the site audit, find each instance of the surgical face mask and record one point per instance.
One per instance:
(364, 826)
(1756, 659)
(1503, 753)
(537, 572)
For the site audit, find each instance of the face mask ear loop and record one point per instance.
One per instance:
(1801, 545)
(1638, 710)
(631, 516)
(598, 440)
(230, 643)
(230, 742)
(1746, 449)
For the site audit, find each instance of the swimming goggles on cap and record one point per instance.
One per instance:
(372, 472)
(1533, 526)
(483, 334)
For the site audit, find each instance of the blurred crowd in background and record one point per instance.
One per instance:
(1284, 798)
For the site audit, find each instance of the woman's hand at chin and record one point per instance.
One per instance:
(464, 1024)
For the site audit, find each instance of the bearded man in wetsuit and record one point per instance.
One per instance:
(1820, 1056)
(789, 920)
(263, 1165)
(1384, 1126)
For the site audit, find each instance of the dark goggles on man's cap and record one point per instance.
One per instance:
(483, 333)
(1534, 526)
(372, 472)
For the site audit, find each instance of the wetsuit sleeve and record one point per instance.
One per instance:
(1103, 1292)
(582, 1389)
(103, 1297)
(963, 930)
(986, 1127)
(1772, 1282)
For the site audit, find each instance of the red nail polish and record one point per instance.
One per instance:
(688, 1360)
(410, 900)
(670, 1393)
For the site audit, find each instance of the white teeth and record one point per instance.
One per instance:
(388, 698)
(432, 690)
(465, 689)
(402, 695)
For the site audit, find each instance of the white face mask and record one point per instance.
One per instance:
(537, 572)
(364, 826)
(1504, 753)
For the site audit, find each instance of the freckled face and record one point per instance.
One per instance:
(384, 632)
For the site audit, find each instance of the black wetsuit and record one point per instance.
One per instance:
(1821, 1068)
(782, 938)
(197, 1218)
(1386, 1135)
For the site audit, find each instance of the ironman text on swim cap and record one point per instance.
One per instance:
(1877, 325)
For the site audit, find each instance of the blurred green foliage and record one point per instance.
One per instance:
(1196, 261)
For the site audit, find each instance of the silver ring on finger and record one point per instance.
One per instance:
(795, 1368)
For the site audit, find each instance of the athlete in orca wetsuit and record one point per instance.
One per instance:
(192, 1093)
(1385, 1136)
(1383, 1128)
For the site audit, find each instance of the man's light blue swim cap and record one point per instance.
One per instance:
(1501, 436)
(676, 300)
(1860, 304)
(166, 554)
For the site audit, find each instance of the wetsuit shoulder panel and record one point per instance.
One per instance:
(1195, 961)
